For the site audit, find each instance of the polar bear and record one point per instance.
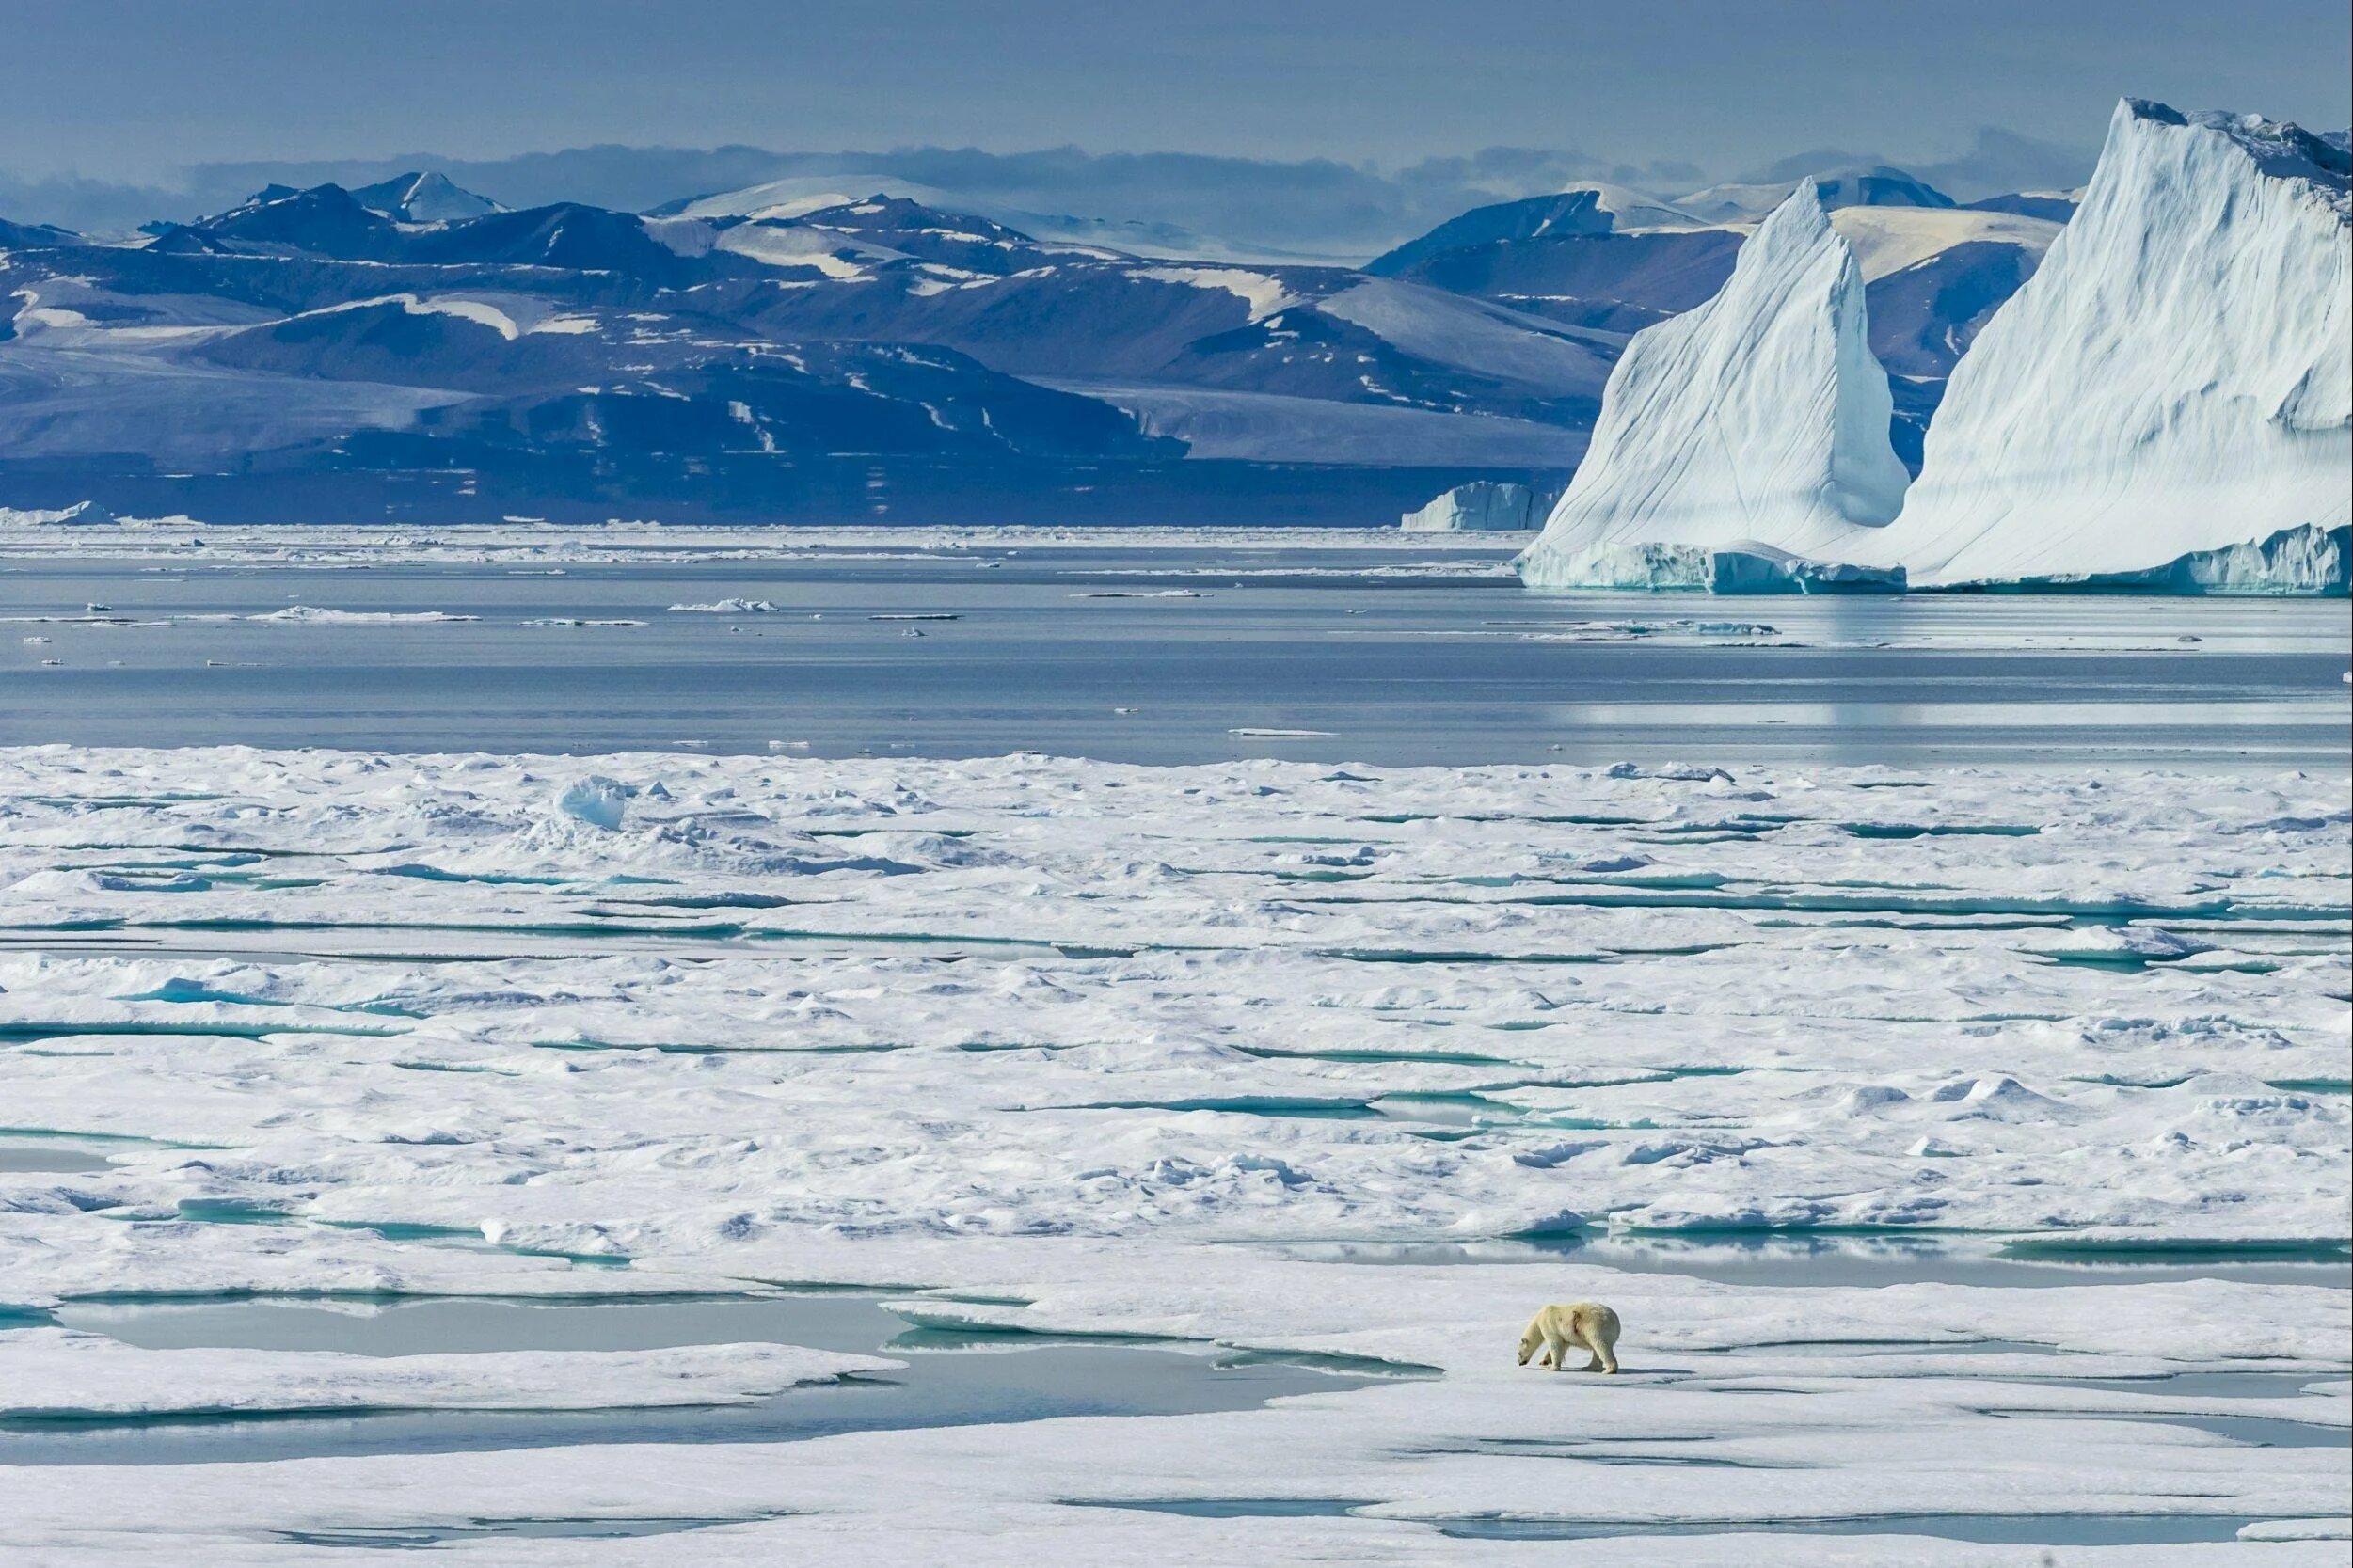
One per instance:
(1586, 1324)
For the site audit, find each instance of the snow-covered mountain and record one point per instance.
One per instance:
(1580, 210)
(798, 195)
(2057, 206)
(2173, 382)
(303, 336)
(428, 197)
(1756, 424)
(1869, 186)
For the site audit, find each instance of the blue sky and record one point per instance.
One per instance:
(134, 89)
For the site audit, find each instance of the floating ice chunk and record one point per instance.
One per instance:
(303, 614)
(1482, 506)
(729, 606)
(1683, 771)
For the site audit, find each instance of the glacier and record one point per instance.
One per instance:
(1758, 419)
(2165, 403)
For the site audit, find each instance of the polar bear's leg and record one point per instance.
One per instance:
(1602, 1339)
(1556, 1353)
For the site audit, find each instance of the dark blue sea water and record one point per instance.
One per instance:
(1385, 665)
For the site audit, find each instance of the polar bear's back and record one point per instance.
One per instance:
(1590, 1321)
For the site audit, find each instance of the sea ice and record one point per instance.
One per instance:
(1054, 1047)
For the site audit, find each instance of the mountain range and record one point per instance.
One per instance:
(810, 349)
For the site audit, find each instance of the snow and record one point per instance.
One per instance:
(428, 197)
(1210, 925)
(2172, 381)
(1887, 239)
(1860, 186)
(1632, 211)
(794, 198)
(1264, 295)
(480, 312)
(1758, 418)
(1448, 329)
(798, 195)
(839, 256)
(1011, 1038)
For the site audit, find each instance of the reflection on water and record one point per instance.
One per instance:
(1389, 669)
(48, 1154)
(952, 1378)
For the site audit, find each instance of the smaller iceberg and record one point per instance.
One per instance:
(1756, 425)
(1482, 506)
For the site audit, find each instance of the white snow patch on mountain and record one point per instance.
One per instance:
(1890, 239)
(480, 312)
(835, 255)
(800, 194)
(1631, 212)
(1263, 294)
(1470, 334)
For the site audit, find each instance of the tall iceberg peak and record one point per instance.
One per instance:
(1759, 418)
(2173, 382)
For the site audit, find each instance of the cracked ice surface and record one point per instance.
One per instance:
(1053, 1030)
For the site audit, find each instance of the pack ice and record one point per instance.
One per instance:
(1036, 1048)
(2167, 398)
(1755, 426)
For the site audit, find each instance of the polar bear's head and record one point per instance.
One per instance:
(1531, 1337)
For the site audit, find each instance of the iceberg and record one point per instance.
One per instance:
(2165, 403)
(1759, 420)
(1482, 506)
